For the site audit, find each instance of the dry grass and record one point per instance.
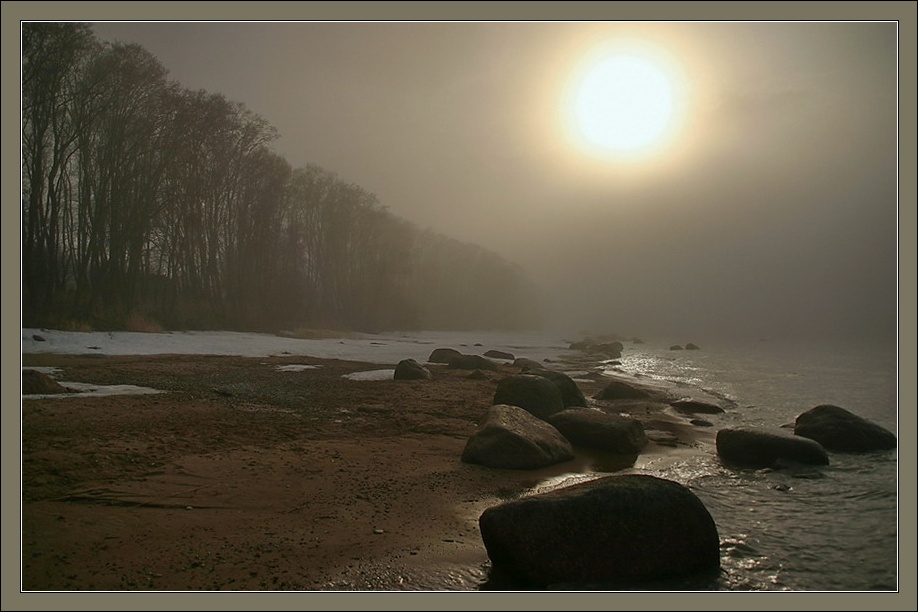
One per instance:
(136, 322)
(75, 325)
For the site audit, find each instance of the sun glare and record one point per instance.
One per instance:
(623, 104)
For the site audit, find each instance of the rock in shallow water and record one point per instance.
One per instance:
(615, 530)
(688, 406)
(838, 429)
(759, 448)
(617, 390)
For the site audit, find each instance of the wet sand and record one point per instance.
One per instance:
(244, 477)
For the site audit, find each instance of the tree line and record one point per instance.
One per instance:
(143, 200)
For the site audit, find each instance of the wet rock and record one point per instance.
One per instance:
(571, 395)
(410, 369)
(701, 423)
(675, 347)
(499, 355)
(692, 347)
(621, 390)
(510, 437)
(535, 394)
(594, 429)
(838, 429)
(614, 530)
(611, 349)
(443, 355)
(760, 448)
(38, 338)
(687, 406)
(662, 437)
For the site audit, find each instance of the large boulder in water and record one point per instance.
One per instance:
(761, 448)
(510, 437)
(614, 530)
(472, 362)
(39, 383)
(535, 394)
(410, 369)
(443, 355)
(571, 395)
(838, 429)
(617, 389)
(594, 429)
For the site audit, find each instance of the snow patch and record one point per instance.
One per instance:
(371, 375)
(295, 367)
(89, 390)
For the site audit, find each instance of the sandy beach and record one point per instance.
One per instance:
(246, 476)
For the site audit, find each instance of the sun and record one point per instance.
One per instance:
(623, 104)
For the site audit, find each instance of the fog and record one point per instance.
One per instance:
(770, 212)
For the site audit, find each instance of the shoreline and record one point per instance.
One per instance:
(247, 477)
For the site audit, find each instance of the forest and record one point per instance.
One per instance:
(148, 206)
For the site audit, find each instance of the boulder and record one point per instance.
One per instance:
(760, 448)
(675, 347)
(594, 429)
(687, 406)
(617, 530)
(510, 437)
(499, 355)
(527, 364)
(571, 395)
(692, 347)
(477, 375)
(39, 383)
(443, 355)
(535, 394)
(409, 369)
(621, 390)
(838, 429)
(472, 362)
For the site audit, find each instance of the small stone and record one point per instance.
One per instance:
(378, 531)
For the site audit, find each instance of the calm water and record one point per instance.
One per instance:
(835, 530)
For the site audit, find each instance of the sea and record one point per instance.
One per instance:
(826, 530)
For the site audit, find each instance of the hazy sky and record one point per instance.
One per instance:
(769, 210)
